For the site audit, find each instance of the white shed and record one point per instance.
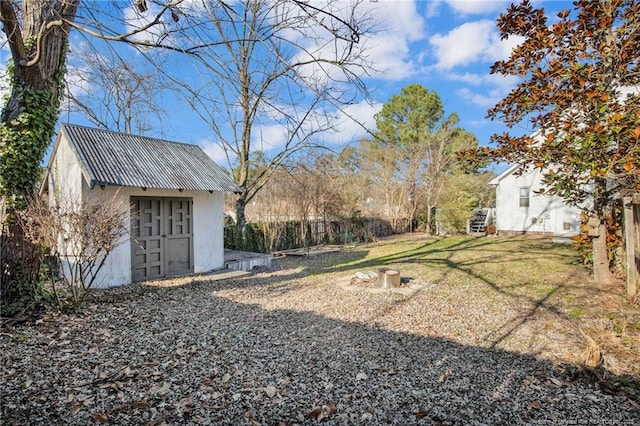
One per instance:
(520, 209)
(174, 190)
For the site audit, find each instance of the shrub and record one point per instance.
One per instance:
(76, 238)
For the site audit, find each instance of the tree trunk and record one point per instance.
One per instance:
(241, 222)
(27, 125)
(431, 210)
(20, 266)
(601, 272)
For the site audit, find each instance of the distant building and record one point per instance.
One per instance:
(520, 209)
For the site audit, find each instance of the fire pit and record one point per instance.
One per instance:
(388, 277)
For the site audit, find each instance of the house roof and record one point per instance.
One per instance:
(118, 159)
(496, 180)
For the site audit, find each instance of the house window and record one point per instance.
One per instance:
(524, 197)
(566, 226)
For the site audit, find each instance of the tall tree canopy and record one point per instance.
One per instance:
(579, 93)
(415, 147)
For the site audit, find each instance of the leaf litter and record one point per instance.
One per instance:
(287, 347)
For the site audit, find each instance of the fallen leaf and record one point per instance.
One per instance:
(361, 376)
(184, 405)
(323, 412)
(161, 389)
(554, 381)
(270, 391)
(140, 404)
(534, 404)
(313, 414)
(422, 414)
(100, 417)
(327, 410)
(226, 378)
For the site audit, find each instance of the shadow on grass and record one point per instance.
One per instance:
(443, 255)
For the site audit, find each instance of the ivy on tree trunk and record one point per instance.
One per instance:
(37, 33)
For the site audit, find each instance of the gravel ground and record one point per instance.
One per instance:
(286, 347)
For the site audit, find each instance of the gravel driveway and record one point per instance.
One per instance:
(287, 347)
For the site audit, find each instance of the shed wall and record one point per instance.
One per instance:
(208, 241)
(65, 177)
(66, 182)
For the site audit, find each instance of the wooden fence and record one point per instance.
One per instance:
(632, 243)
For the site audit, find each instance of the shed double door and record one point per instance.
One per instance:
(162, 237)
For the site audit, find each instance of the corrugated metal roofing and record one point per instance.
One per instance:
(119, 159)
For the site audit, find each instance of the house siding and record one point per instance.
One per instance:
(545, 214)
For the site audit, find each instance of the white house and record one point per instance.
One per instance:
(519, 209)
(174, 190)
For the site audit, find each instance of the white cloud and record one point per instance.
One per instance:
(484, 100)
(390, 48)
(135, 20)
(386, 44)
(433, 8)
(484, 79)
(352, 123)
(470, 7)
(214, 151)
(474, 98)
(76, 81)
(349, 123)
(267, 137)
(471, 42)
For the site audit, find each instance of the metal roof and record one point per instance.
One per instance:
(118, 159)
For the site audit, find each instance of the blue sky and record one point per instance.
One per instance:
(446, 46)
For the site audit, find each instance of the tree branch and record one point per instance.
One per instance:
(12, 30)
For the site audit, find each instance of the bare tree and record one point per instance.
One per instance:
(37, 33)
(269, 82)
(115, 93)
(393, 179)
